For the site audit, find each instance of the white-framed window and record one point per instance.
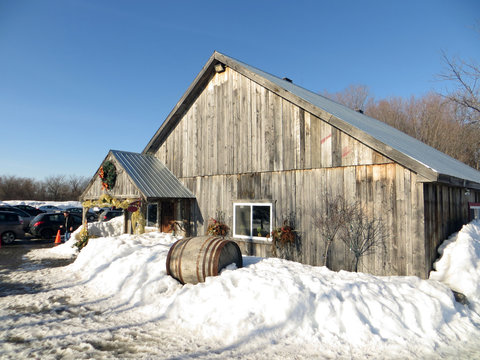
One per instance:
(473, 211)
(252, 220)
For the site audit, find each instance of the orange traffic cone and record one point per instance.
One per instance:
(58, 239)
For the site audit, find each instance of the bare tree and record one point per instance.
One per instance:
(333, 220)
(354, 96)
(8, 187)
(56, 187)
(466, 79)
(434, 120)
(77, 185)
(363, 235)
(392, 112)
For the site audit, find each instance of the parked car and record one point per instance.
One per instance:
(11, 227)
(26, 217)
(47, 225)
(91, 216)
(29, 209)
(109, 214)
(49, 208)
(98, 210)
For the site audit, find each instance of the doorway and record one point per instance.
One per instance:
(167, 216)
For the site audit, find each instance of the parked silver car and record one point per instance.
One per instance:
(48, 208)
(109, 214)
(26, 217)
(11, 227)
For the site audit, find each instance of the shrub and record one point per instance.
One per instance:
(217, 228)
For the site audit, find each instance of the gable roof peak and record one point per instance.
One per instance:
(392, 143)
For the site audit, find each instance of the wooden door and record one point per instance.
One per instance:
(167, 216)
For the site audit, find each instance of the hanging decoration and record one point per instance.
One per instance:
(108, 174)
(137, 216)
(107, 201)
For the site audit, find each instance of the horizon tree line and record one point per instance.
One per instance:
(52, 188)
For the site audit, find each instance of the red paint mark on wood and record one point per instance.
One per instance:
(326, 138)
(346, 150)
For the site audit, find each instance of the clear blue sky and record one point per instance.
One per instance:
(80, 77)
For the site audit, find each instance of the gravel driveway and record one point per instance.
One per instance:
(47, 313)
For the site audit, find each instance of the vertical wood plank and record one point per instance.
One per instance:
(269, 131)
(308, 140)
(287, 136)
(316, 142)
(420, 260)
(278, 128)
(237, 128)
(326, 145)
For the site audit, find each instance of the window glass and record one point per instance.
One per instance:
(152, 214)
(242, 220)
(261, 220)
(252, 220)
(57, 218)
(474, 211)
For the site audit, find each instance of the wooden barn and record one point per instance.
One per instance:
(258, 149)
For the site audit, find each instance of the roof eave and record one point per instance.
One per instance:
(455, 181)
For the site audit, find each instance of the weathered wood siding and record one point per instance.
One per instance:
(124, 187)
(446, 210)
(240, 141)
(386, 191)
(237, 126)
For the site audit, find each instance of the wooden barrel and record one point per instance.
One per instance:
(191, 260)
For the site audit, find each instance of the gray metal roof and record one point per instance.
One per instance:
(151, 177)
(405, 144)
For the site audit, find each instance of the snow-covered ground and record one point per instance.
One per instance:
(116, 301)
(37, 204)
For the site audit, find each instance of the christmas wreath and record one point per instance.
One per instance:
(108, 174)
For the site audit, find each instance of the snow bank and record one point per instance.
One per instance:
(276, 300)
(273, 301)
(114, 227)
(459, 265)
